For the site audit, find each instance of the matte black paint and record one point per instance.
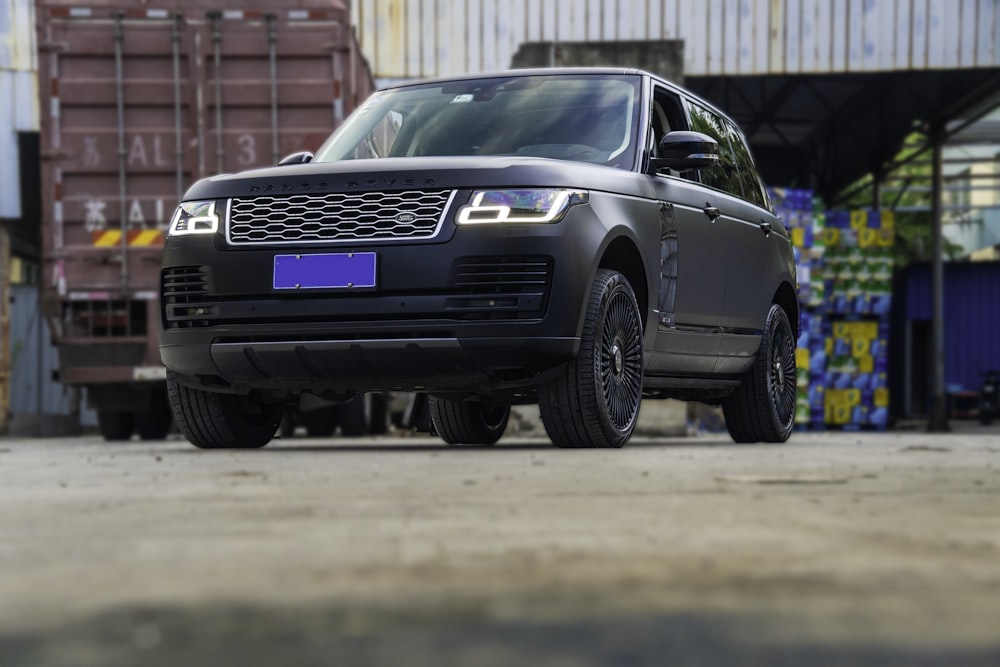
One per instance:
(709, 282)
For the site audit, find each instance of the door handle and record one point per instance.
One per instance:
(712, 212)
(766, 228)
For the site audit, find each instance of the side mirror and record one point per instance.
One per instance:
(681, 150)
(296, 158)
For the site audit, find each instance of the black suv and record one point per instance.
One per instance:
(579, 238)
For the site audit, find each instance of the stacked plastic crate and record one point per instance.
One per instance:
(844, 265)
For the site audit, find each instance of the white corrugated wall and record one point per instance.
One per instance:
(18, 94)
(419, 38)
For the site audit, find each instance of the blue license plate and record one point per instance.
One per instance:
(348, 270)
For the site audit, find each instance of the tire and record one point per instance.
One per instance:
(353, 422)
(762, 409)
(115, 425)
(319, 423)
(594, 402)
(287, 427)
(378, 421)
(467, 422)
(221, 421)
(154, 424)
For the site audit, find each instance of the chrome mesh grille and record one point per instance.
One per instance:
(332, 218)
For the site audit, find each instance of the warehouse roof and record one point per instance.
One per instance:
(826, 131)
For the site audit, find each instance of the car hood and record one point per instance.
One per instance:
(423, 173)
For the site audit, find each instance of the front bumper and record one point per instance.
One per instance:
(479, 309)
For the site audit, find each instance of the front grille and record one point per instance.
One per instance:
(183, 284)
(337, 218)
(184, 290)
(494, 288)
(498, 275)
(500, 288)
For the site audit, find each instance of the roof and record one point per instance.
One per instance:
(826, 131)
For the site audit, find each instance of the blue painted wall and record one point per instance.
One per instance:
(971, 313)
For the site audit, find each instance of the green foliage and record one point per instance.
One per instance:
(913, 228)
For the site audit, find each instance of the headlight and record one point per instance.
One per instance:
(194, 217)
(519, 206)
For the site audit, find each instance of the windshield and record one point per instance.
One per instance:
(586, 118)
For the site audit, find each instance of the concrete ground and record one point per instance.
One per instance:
(833, 549)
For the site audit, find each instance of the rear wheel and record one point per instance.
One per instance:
(222, 421)
(594, 402)
(115, 425)
(468, 422)
(763, 407)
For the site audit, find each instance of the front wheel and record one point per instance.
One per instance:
(115, 425)
(594, 401)
(468, 422)
(763, 407)
(222, 421)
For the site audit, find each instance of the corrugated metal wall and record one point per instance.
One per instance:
(971, 314)
(420, 38)
(18, 94)
(33, 359)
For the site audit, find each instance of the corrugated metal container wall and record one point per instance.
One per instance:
(140, 99)
(971, 315)
(33, 359)
(419, 38)
(18, 95)
(138, 105)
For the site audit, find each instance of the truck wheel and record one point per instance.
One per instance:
(353, 423)
(763, 407)
(222, 421)
(319, 423)
(115, 425)
(468, 423)
(378, 422)
(594, 402)
(154, 424)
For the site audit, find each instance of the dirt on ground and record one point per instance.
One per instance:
(834, 548)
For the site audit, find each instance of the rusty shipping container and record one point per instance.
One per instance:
(138, 100)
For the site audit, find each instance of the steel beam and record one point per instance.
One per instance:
(938, 422)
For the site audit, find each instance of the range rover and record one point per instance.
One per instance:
(578, 238)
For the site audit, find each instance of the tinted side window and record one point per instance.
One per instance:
(753, 187)
(723, 176)
(666, 115)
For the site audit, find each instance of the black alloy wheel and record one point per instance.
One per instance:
(595, 401)
(763, 407)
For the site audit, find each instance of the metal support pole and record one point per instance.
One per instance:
(272, 44)
(220, 151)
(4, 328)
(939, 407)
(175, 38)
(122, 150)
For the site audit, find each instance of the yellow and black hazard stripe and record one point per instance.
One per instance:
(134, 238)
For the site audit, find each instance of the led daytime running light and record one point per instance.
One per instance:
(197, 217)
(501, 206)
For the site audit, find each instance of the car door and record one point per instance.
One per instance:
(692, 281)
(751, 233)
(743, 235)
